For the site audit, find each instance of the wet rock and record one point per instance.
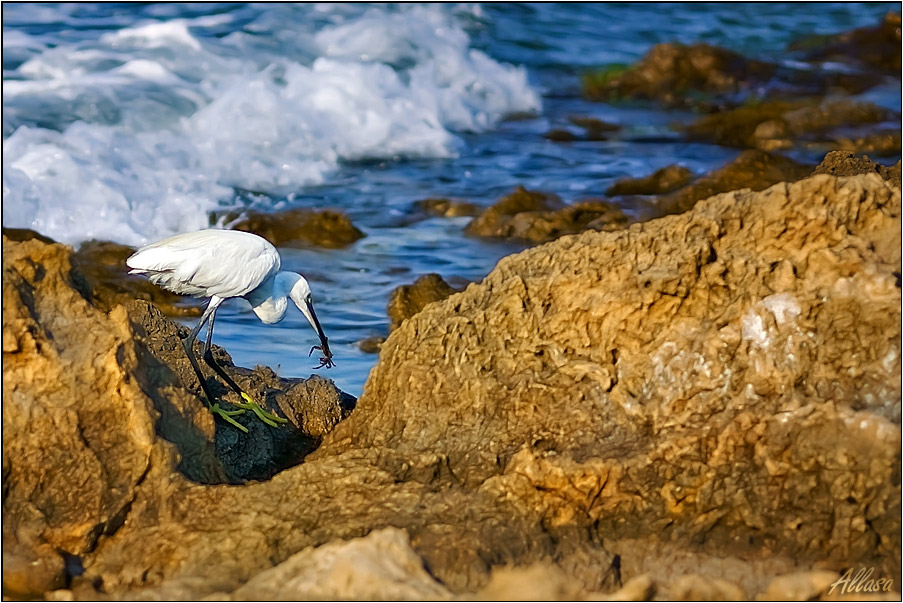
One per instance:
(678, 76)
(495, 220)
(883, 143)
(755, 170)
(408, 300)
(665, 180)
(845, 163)
(560, 135)
(381, 566)
(24, 234)
(301, 228)
(780, 124)
(535, 217)
(371, 345)
(877, 47)
(446, 208)
(594, 128)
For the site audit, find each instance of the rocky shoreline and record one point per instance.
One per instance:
(700, 400)
(704, 403)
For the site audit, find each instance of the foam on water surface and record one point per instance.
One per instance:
(139, 133)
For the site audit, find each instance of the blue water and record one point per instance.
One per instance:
(133, 121)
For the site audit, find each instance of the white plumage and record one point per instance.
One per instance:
(219, 264)
(224, 263)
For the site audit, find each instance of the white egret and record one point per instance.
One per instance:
(219, 264)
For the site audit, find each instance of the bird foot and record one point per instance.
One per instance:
(268, 418)
(227, 416)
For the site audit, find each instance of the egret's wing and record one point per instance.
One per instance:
(225, 263)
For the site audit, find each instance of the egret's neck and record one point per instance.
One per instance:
(269, 300)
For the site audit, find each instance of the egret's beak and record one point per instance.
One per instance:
(326, 360)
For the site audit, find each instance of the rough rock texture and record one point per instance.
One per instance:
(727, 379)
(301, 228)
(666, 180)
(755, 170)
(845, 163)
(535, 217)
(78, 434)
(713, 393)
(100, 273)
(84, 394)
(783, 124)
(675, 75)
(313, 406)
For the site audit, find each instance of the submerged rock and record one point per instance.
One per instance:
(665, 180)
(301, 227)
(447, 208)
(677, 75)
(713, 393)
(495, 221)
(535, 217)
(877, 47)
(782, 124)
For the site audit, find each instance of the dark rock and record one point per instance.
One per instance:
(100, 273)
(677, 75)
(756, 170)
(560, 135)
(782, 124)
(313, 406)
(371, 345)
(495, 221)
(877, 47)
(301, 228)
(535, 217)
(408, 300)
(845, 163)
(665, 180)
(24, 234)
(595, 129)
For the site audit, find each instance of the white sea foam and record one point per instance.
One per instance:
(140, 133)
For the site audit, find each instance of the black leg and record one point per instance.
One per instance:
(208, 357)
(188, 344)
(249, 404)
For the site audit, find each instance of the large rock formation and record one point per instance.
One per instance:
(700, 403)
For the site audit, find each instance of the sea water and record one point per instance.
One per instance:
(131, 122)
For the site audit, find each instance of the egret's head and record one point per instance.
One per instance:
(300, 294)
